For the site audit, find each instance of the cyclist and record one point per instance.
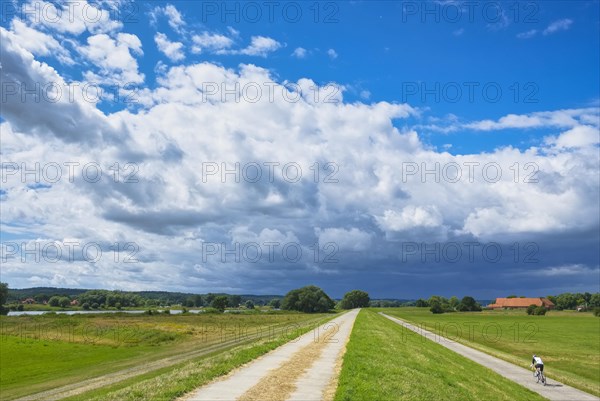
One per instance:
(538, 363)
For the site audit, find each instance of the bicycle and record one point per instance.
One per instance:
(539, 375)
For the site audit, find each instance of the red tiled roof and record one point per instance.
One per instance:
(520, 302)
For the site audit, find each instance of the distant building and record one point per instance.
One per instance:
(28, 301)
(74, 302)
(520, 303)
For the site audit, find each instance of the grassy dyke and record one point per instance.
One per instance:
(176, 381)
(386, 363)
(567, 341)
(43, 352)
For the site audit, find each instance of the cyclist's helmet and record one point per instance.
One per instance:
(534, 355)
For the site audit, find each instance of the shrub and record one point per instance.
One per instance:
(85, 306)
(540, 311)
(531, 309)
(95, 305)
(597, 311)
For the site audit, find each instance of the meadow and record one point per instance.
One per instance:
(385, 362)
(39, 353)
(568, 341)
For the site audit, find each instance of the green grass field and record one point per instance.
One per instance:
(386, 363)
(42, 352)
(568, 342)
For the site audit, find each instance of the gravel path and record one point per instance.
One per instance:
(299, 370)
(553, 391)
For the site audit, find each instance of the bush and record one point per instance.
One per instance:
(540, 311)
(531, 309)
(95, 305)
(20, 307)
(597, 311)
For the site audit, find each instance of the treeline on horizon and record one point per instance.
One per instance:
(564, 301)
(115, 299)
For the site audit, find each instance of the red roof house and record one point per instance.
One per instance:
(512, 303)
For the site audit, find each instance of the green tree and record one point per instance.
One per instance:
(54, 301)
(531, 309)
(189, 301)
(453, 302)
(85, 306)
(249, 304)
(309, 299)
(275, 303)
(234, 301)
(595, 300)
(198, 301)
(421, 303)
(3, 293)
(468, 304)
(355, 299)
(64, 302)
(436, 307)
(219, 302)
(566, 301)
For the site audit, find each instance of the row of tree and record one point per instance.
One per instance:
(569, 300)
(439, 304)
(309, 299)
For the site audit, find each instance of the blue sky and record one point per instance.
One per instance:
(404, 88)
